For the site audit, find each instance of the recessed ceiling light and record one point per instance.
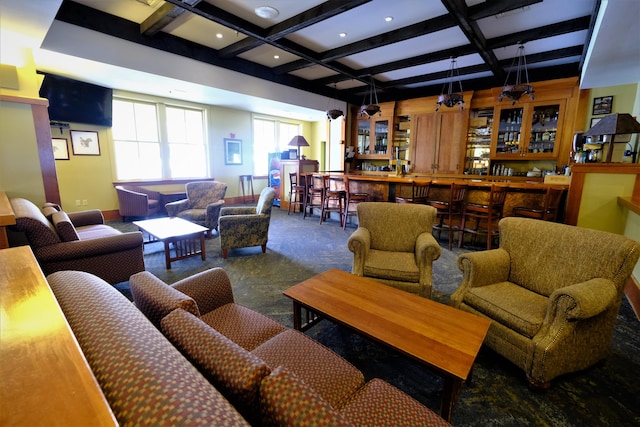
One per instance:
(266, 12)
(219, 35)
(343, 34)
(389, 18)
(276, 56)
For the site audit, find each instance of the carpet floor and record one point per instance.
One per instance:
(607, 394)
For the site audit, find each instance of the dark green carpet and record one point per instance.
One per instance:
(605, 395)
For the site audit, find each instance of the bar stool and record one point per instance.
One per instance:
(550, 205)
(352, 200)
(419, 193)
(297, 193)
(487, 214)
(315, 193)
(248, 179)
(448, 210)
(333, 200)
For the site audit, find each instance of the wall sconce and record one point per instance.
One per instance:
(451, 98)
(515, 91)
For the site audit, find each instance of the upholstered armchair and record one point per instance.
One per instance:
(242, 227)
(137, 201)
(393, 244)
(202, 206)
(552, 291)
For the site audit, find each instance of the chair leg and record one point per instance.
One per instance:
(264, 248)
(225, 252)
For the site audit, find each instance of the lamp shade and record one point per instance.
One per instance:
(298, 141)
(613, 124)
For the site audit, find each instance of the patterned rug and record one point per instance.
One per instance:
(605, 395)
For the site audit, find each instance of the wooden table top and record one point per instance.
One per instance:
(45, 378)
(166, 228)
(441, 336)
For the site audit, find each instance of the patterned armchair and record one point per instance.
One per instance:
(137, 201)
(552, 291)
(393, 244)
(202, 206)
(241, 227)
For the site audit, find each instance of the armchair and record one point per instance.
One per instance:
(202, 205)
(393, 244)
(241, 227)
(137, 201)
(552, 291)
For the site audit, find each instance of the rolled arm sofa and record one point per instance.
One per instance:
(552, 292)
(273, 375)
(78, 241)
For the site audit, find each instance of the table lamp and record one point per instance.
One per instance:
(298, 141)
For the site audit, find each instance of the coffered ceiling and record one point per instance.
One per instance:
(405, 46)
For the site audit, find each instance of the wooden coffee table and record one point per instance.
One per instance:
(187, 238)
(445, 339)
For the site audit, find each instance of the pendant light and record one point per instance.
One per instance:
(370, 109)
(451, 98)
(515, 91)
(334, 113)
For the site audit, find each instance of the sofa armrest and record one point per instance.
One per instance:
(88, 217)
(230, 211)
(588, 299)
(359, 243)
(480, 269)
(173, 208)
(210, 289)
(427, 249)
(88, 248)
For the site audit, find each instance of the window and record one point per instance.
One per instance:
(147, 147)
(270, 136)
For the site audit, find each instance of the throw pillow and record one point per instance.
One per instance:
(64, 227)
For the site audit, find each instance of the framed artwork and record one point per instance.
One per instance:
(60, 148)
(85, 143)
(232, 151)
(602, 105)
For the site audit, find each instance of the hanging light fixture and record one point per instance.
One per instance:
(515, 91)
(370, 109)
(451, 98)
(334, 113)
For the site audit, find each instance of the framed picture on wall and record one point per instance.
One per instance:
(85, 143)
(232, 151)
(602, 105)
(60, 148)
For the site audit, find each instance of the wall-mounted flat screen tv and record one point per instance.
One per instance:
(75, 101)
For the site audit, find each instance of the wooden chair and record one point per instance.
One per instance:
(352, 200)
(315, 194)
(419, 193)
(448, 210)
(481, 219)
(333, 200)
(550, 206)
(297, 193)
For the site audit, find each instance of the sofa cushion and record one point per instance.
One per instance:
(64, 227)
(234, 371)
(286, 400)
(392, 265)
(331, 376)
(30, 220)
(144, 378)
(513, 306)
(381, 404)
(243, 326)
(156, 299)
(96, 231)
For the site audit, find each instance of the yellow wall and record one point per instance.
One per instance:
(599, 207)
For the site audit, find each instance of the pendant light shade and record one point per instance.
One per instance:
(515, 91)
(334, 113)
(450, 98)
(370, 109)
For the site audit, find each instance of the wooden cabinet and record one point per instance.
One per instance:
(528, 131)
(438, 141)
(478, 147)
(372, 139)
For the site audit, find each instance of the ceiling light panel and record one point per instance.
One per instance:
(130, 10)
(538, 15)
(542, 45)
(313, 72)
(203, 31)
(434, 42)
(366, 21)
(245, 9)
(264, 55)
(433, 67)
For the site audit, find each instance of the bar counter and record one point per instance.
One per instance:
(521, 191)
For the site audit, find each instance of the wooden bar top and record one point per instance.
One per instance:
(45, 378)
(472, 181)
